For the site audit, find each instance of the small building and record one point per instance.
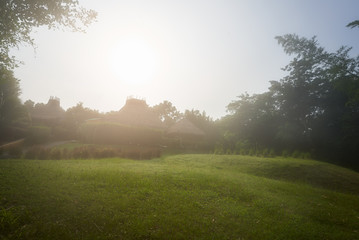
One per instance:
(49, 114)
(185, 132)
(136, 113)
(134, 123)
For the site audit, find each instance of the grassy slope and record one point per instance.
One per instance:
(178, 197)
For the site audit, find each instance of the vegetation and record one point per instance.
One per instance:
(19, 18)
(91, 151)
(314, 109)
(178, 197)
(115, 133)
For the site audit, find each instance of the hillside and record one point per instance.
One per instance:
(178, 197)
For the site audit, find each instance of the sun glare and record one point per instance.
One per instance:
(133, 61)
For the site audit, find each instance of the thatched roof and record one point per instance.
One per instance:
(137, 113)
(185, 127)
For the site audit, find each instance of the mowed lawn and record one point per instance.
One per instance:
(178, 197)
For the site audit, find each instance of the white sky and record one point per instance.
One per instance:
(196, 54)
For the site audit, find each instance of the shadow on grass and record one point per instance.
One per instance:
(318, 175)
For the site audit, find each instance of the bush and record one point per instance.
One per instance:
(218, 149)
(93, 151)
(32, 153)
(252, 152)
(15, 152)
(43, 153)
(272, 153)
(114, 133)
(106, 153)
(56, 154)
(38, 134)
(286, 153)
(265, 152)
(81, 152)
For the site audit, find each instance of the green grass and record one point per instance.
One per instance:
(178, 197)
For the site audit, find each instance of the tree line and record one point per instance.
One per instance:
(314, 109)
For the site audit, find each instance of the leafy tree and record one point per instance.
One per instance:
(254, 119)
(19, 17)
(314, 108)
(72, 120)
(206, 124)
(29, 105)
(167, 113)
(78, 114)
(9, 96)
(11, 108)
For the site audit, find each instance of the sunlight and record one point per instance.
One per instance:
(133, 61)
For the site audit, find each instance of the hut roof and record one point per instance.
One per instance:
(137, 113)
(186, 127)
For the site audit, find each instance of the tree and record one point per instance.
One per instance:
(10, 105)
(9, 97)
(314, 108)
(206, 124)
(19, 17)
(78, 114)
(254, 119)
(353, 24)
(167, 113)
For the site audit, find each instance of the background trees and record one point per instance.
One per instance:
(167, 113)
(17, 19)
(11, 109)
(315, 108)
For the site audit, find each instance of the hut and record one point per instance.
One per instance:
(185, 132)
(134, 123)
(49, 114)
(136, 113)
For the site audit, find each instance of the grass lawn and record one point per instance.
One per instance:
(178, 197)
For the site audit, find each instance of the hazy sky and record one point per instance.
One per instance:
(196, 54)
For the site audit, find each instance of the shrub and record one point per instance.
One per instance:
(286, 153)
(56, 154)
(218, 149)
(43, 154)
(306, 155)
(81, 152)
(228, 152)
(38, 134)
(272, 153)
(265, 152)
(114, 133)
(296, 154)
(252, 152)
(65, 154)
(31, 153)
(105, 153)
(15, 152)
(243, 151)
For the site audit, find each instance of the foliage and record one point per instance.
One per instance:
(74, 117)
(114, 133)
(92, 152)
(353, 24)
(206, 124)
(12, 113)
(19, 17)
(167, 113)
(201, 196)
(315, 108)
(38, 134)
